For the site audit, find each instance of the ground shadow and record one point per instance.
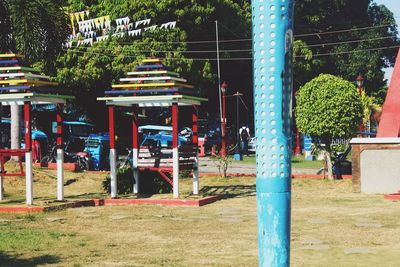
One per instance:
(10, 260)
(230, 191)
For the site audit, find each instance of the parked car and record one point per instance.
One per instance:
(153, 134)
(75, 134)
(155, 137)
(98, 148)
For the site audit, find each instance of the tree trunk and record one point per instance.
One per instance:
(15, 128)
(329, 165)
(328, 158)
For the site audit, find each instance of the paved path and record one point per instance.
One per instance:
(208, 165)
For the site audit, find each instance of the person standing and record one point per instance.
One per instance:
(244, 133)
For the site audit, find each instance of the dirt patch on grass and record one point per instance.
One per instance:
(331, 226)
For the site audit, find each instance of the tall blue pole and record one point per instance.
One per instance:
(272, 63)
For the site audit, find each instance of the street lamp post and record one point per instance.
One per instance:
(223, 151)
(360, 85)
(238, 154)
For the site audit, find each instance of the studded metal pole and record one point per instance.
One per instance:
(272, 44)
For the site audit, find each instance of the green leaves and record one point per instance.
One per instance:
(328, 107)
(36, 29)
(370, 28)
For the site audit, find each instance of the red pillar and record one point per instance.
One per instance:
(175, 151)
(223, 151)
(175, 125)
(113, 153)
(28, 154)
(60, 154)
(135, 137)
(195, 140)
(27, 126)
(195, 137)
(111, 126)
(59, 125)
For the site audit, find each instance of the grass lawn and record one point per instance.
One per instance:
(297, 162)
(331, 226)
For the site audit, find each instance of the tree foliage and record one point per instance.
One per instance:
(354, 51)
(91, 70)
(370, 107)
(36, 29)
(328, 107)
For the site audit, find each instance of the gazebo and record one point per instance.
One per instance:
(153, 85)
(24, 86)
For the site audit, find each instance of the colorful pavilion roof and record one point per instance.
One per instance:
(152, 77)
(16, 76)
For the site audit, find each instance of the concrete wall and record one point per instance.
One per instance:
(380, 171)
(376, 165)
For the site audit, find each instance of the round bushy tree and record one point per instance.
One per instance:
(328, 107)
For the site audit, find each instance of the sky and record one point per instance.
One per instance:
(394, 6)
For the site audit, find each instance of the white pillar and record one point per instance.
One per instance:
(135, 170)
(175, 174)
(29, 178)
(60, 174)
(196, 175)
(113, 172)
(1, 188)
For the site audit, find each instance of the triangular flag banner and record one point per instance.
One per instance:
(151, 28)
(87, 13)
(135, 32)
(102, 38)
(82, 15)
(167, 25)
(142, 22)
(172, 24)
(126, 20)
(77, 17)
(101, 20)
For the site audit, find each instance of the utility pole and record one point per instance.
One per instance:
(219, 92)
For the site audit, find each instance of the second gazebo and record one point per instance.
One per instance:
(153, 85)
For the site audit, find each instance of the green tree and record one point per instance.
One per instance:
(370, 107)
(35, 29)
(93, 69)
(328, 107)
(348, 53)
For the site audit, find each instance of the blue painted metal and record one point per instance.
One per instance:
(6, 62)
(156, 66)
(127, 92)
(272, 49)
(22, 87)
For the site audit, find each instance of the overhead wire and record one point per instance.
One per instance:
(250, 58)
(249, 39)
(244, 50)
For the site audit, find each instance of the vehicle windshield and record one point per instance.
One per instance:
(80, 130)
